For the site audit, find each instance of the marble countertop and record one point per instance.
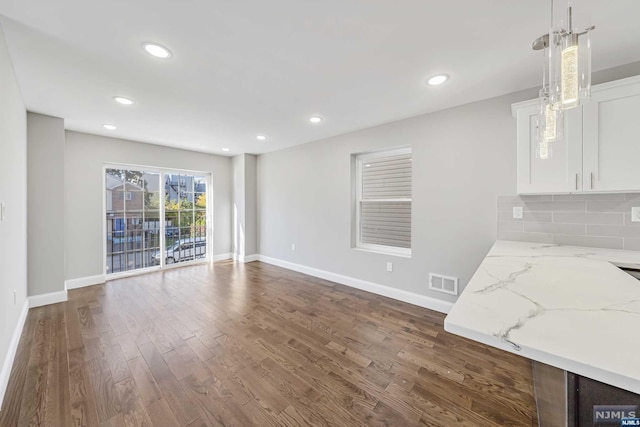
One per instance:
(569, 307)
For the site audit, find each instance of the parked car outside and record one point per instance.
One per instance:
(183, 250)
(172, 231)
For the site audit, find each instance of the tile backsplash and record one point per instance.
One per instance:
(596, 220)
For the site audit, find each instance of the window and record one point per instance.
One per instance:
(383, 201)
(148, 226)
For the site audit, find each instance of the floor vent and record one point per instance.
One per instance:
(445, 284)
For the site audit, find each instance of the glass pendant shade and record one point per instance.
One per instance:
(550, 120)
(550, 125)
(546, 127)
(543, 151)
(570, 62)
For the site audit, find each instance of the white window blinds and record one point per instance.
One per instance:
(384, 199)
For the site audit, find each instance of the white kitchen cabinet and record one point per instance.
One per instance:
(600, 151)
(611, 138)
(561, 172)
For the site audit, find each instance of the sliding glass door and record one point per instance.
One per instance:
(186, 217)
(154, 218)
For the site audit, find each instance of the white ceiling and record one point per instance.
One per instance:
(247, 67)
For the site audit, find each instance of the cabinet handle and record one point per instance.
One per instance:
(576, 181)
(591, 179)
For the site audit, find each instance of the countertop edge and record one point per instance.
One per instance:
(592, 372)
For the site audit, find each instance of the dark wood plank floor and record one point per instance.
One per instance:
(254, 345)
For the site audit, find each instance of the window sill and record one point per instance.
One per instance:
(382, 252)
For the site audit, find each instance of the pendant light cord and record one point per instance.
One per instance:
(545, 64)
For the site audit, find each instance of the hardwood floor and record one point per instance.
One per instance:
(254, 345)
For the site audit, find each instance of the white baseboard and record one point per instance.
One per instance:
(251, 258)
(46, 299)
(81, 282)
(375, 288)
(222, 257)
(5, 373)
(246, 258)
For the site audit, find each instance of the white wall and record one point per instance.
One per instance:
(463, 158)
(244, 206)
(238, 208)
(85, 156)
(250, 194)
(45, 220)
(13, 193)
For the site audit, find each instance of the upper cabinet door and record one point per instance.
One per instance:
(611, 126)
(561, 173)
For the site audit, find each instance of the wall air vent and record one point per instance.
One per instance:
(445, 284)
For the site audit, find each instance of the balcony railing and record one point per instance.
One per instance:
(139, 247)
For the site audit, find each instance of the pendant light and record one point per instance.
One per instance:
(570, 61)
(550, 120)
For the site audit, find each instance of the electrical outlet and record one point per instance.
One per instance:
(293, 246)
(389, 266)
(635, 214)
(517, 212)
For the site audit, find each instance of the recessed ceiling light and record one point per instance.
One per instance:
(315, 119)
(261, 137)
(437, 80)
(122, 100)
(110, 127)
(157, 50)
(225, 149)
